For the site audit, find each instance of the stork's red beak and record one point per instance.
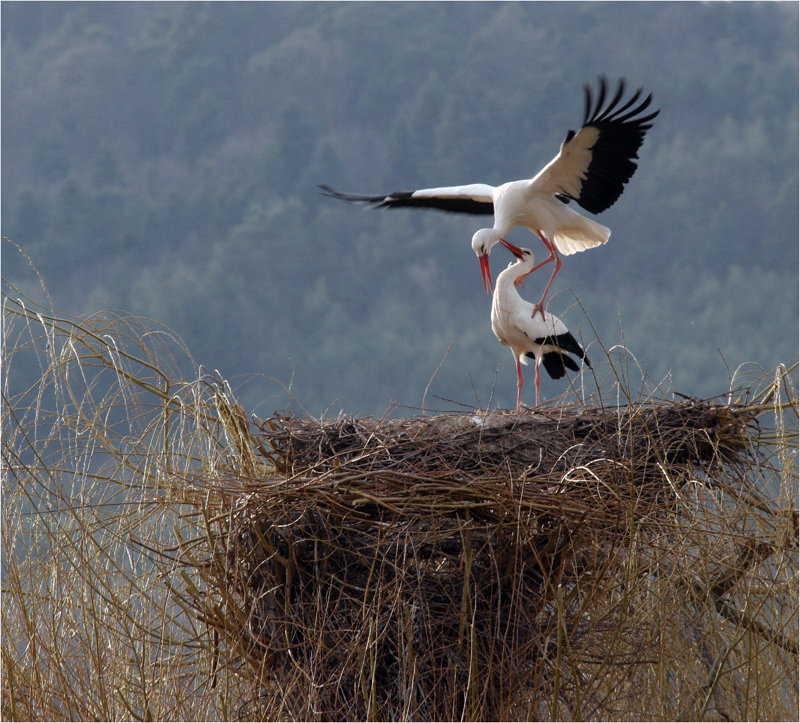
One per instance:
(486, 273)
(516, 250)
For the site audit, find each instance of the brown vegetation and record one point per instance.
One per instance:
(168, 556)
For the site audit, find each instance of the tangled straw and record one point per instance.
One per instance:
(168, 556)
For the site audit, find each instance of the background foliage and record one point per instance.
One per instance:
(163, 158)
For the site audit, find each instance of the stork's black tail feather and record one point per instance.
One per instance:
(557, 362)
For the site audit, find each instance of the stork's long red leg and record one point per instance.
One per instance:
(553, 255)
(538, 381)
(519, 383)
(519, 281)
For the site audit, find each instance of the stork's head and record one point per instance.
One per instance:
(482, 243)
(525, 260)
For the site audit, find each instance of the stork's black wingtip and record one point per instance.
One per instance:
(328, 191)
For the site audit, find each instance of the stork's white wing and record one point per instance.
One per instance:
(567, 171)
(480, 192)
(474, 198)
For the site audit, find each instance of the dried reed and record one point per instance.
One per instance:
(478, 566)
(165, 555)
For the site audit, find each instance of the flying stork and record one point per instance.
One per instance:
(591, 168)
(546, 340)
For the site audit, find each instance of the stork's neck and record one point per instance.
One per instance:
(504, 284)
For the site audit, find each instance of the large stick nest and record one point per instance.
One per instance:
(436, 568)
(547, 442)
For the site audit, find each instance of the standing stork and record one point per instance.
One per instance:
(591, 168)
(546, 340)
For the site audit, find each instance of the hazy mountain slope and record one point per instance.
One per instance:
(163, 158)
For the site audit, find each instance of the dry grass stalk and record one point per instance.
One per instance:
(165, 557)
(480, 566)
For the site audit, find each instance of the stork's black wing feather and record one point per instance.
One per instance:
(353, 197)
(621, 130)
(565, 342)
(408, 199)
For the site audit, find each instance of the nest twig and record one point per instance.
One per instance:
(435, 568)
(585, 563)
(552, 440)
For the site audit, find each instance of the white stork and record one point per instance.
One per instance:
(591, 168)
(546, 340)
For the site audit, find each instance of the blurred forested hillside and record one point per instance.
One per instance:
(163, 158)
